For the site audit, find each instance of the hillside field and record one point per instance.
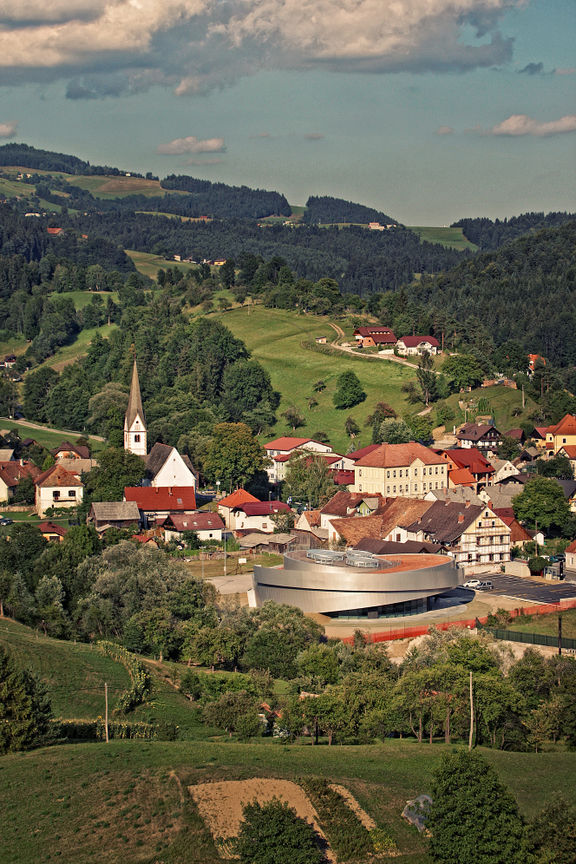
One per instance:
(149, 264)
(452, 237)
(275, 338)
(120, 186)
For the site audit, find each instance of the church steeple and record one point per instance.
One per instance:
(134, 420)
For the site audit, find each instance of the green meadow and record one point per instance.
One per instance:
(452, 237)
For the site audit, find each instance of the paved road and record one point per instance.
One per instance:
(527, 589)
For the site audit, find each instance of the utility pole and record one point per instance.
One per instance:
(106, 712)
(471, 736)
(559, 634)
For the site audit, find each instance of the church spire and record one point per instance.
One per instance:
(134, 420)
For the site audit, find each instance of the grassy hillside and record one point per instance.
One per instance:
(44, 435)
(75, 674)
(102, 186)
(453, 238)
(17, 189)
(277, 339)
(129, 800)
(149, 264)
(505, 405)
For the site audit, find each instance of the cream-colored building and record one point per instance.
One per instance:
(410, 469)
(561, 434)
(57, 487)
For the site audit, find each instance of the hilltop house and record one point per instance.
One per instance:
(400, 469)
(409, 346)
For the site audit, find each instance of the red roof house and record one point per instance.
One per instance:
(157, 501)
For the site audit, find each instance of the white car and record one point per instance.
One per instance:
(471, 583)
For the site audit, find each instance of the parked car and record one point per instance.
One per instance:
(6, 521)
(485, 586)
(471, 583)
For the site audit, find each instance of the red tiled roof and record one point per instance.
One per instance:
(82, 451)
(287, 443)
(51, 528)
(151, 498)
(236, 499)
(203, 521)
(566, 426)
(571, 547)
(265, 508)
(12, 472)
(398, 455)
(516, 433)
(364, 451)
(569, 450)
(343, 478)
(398, 512)
(57, 476)
(414, 341)
(342, 502)
(462, 477)
(470, 458)
(373, 329)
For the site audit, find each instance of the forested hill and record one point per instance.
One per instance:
(206, 198)
(524, 292)
(491, 234)
(326, 211)
(25, 156)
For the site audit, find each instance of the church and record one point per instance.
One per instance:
(165, 466)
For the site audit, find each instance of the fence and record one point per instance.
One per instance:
(531, 638)
(471, 623)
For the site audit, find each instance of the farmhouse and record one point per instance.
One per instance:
(374, 335)
(484, 436)
(411, 345)
(257, 516)
(57, 487)
(228, 507)
(11, 473)
(206, 526)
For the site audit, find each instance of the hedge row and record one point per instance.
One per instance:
(140, 679)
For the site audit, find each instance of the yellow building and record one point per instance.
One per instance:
(564, 433)
(410, 469)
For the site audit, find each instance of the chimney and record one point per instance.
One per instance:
(460, 518)
(467, 505)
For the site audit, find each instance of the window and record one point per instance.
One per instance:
(137, 439)
(394, 474)
(394, 490)
(387, 475)
(360, 473)
(56, 494)
(398, 538)
(415, 472)
(71, 493)
(264, 524)
(416, 487)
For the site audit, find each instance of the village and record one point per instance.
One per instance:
(449, 506)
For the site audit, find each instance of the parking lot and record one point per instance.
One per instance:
(528, 589)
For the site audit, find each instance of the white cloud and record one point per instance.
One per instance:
(195, 45)
(521, 124)
(445, 130)
(8, 130)
(191, 144)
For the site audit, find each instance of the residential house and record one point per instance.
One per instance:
(157, 502)
(57, 487)
(273, 543)
(67, 451)
(569, 451)
(458, 495)
(344, 504)
(124, 515)
(308, 531)
(503, 468)
(375, 335)
(166, 467)
(387, 524)
(519, 536)
(473, 460)
(482, 436)
(560, 434)
(409, 346)
(51, 532)
(517, 434)
(410, 469)
(281, 449)
(228, 506)
(257, 516)
(471, 534)
(538, 436)
(206, 525)
(11, 473)
(571, 556)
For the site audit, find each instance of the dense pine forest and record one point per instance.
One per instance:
(491, 234)
(321, 210)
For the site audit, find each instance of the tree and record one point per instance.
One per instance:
(234, 456)
(25, 712)
(117, 468)
(309, 479)
(349, 392)
(552, 834)
(37, 386)
(294, 418)
(245, 386)
(230, 710)
(463, 371)
(393, 432)
(273, 834)
(426, 378)
(382, 411)
(509, 448)
(352, 428)
(473, 816)
(543, 503)
(558, 467)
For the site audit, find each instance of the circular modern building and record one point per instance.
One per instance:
(356, 584)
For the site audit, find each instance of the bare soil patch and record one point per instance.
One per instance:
(353, 805)
(220, 805)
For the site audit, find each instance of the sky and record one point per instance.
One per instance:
(429, 110)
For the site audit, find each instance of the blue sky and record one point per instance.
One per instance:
(430, 110)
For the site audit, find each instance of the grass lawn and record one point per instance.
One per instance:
(149, 264)
(117, 187)
(502, 400)
(128, 800)
(83, 298)
(47, 437)
(452, 237)
(275, 338)
(14, 345)
(546, 624)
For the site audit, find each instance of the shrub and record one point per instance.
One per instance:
(141, 682)
(273, 834)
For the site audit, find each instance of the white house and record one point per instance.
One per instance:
(206, 526)
(166, 467)
(411, 345)
(281, 449)
(57, 487)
